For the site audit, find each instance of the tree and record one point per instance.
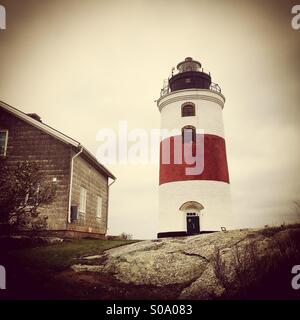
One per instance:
(24, 189)
(125, 236)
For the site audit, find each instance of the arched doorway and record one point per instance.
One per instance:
(192, 210)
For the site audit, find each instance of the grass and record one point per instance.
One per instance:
(63, 255)
(271, 231)
(37, 268)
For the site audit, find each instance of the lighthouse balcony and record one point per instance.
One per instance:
(167, 88)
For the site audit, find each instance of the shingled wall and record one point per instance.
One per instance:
(25, 142)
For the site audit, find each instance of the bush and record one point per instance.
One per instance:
(255, 274)
(24, 189)
(124, 236)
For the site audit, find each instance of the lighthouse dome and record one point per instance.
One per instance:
(189, 75)
(189, 65)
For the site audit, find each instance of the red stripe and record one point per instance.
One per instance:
(215, 163)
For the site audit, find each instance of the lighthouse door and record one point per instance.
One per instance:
(193, 226)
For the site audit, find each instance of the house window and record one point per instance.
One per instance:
(99, 207)
(3, 142)
(188, 110)
(82, 203)
(188, 134)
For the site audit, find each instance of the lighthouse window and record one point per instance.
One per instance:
(188, 110)
(188, 134)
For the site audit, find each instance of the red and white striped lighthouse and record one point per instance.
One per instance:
(191, 116)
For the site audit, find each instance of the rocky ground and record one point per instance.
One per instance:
(222, 265)
(240, 264)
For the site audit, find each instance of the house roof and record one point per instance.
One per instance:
(56, 134)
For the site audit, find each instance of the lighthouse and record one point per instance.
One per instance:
(194, 189)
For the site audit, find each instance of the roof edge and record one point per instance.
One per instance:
(56, 134)
(40, 125)
(97, 163)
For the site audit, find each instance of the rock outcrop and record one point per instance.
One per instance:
(207, 266)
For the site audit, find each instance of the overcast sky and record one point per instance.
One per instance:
(86, 65)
